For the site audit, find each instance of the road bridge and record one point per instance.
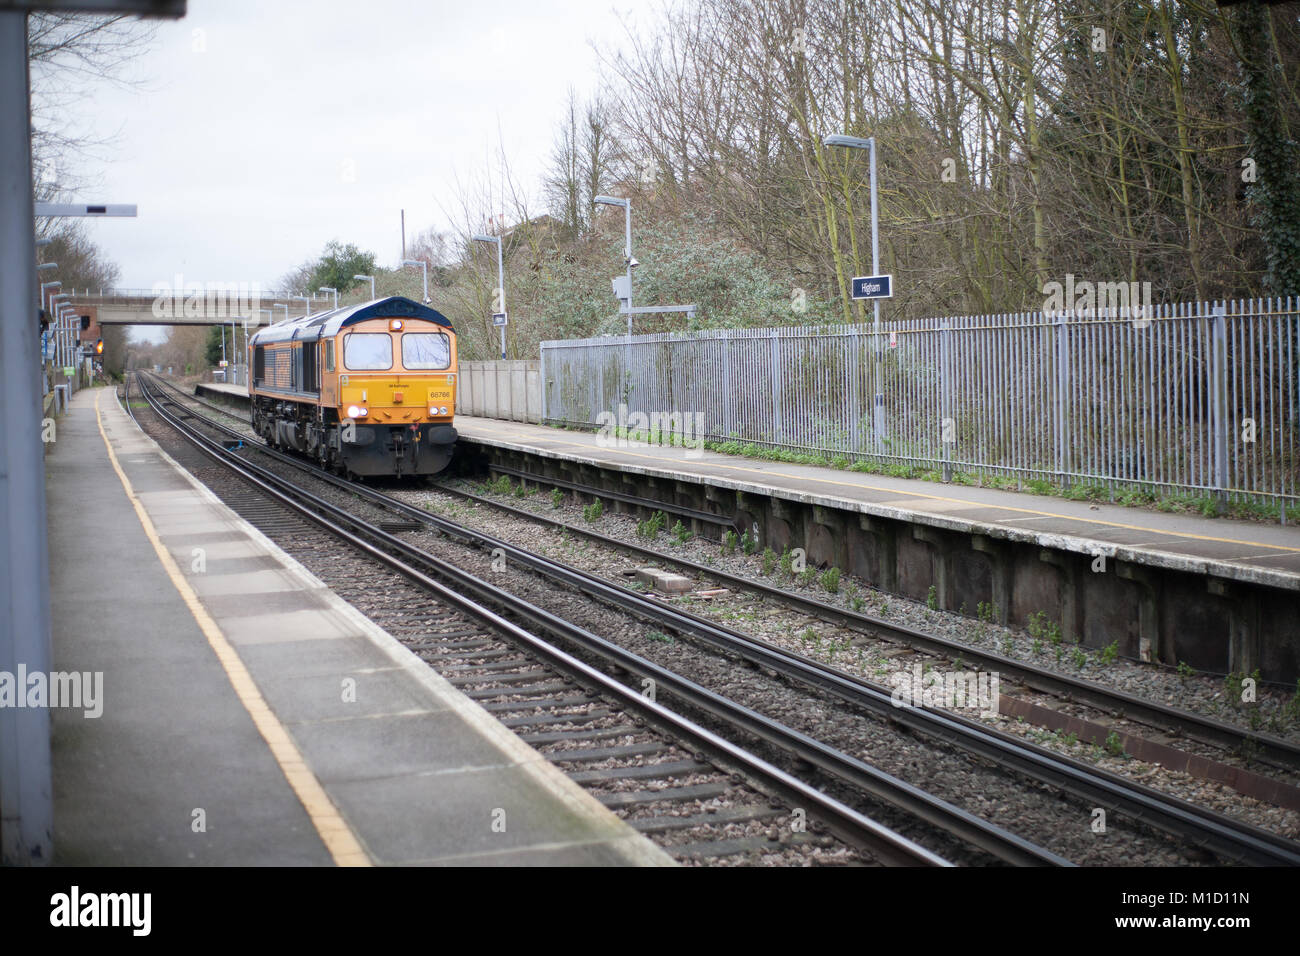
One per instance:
(194, 304)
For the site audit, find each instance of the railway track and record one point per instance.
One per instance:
(1224, 838)
(1180, 723)
(658, 769)
(1110, 701)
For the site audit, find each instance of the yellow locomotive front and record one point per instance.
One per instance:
(369, 390)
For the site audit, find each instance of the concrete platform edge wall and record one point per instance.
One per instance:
(1159, 606)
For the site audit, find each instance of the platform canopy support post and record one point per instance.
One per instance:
(26, 810)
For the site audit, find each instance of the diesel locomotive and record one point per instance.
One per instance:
(365, 390)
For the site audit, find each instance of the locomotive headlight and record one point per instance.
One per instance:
(443, 410)
(356, 411)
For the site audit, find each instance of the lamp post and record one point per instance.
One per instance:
(234, 346)
(306, 303)
(627, 246)
(56, 306)
(281, 305)
(424, 268)
(61, 317)
(49, 285)
(501, 286)
(326, 288)
(869, 144)
(371, 280)
(69, 334)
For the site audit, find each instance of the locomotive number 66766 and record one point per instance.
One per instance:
(368, 389)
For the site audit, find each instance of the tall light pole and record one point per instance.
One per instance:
(64, 318)
(70, 335)
(371, 280)
(57, 305)
(326, 288)
(424, 267)
(306, 303)
(869, 144)
(501, 288)
(281, 305)
(48, 285)
(627, 246)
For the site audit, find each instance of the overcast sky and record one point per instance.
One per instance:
(264, 129)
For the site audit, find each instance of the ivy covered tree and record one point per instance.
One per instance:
(212, 345)
(333, 269)
(1276, 187)
(338, 264)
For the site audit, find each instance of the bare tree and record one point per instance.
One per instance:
(69, 55)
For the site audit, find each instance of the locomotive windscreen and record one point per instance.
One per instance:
(367, 351)
(425, 350)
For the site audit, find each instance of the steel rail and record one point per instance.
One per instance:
(1118, 703)
(378, 544)
(1217, 833)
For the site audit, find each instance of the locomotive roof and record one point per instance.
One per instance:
(309, 328)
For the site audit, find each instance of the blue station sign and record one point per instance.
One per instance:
(873, 287)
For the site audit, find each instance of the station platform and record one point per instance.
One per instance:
(1260, 553)
(222, 390)
(224, 736)
(1267, 554)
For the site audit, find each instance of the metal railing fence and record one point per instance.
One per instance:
(1195, 398)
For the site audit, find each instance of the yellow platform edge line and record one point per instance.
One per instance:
(343, 846)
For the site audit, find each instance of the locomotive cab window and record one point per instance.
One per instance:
(368, 351)
(425, 350)
(329, 355)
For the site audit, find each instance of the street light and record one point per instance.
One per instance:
(47, 266)
(281, 305)
(501, 287)
(869, 144)
(371, 280)
(326, 288)
(627, 250)
(49, 285)
(55, 311)
(68, 313)
(306, 303)
(424, 267)
(62, 316)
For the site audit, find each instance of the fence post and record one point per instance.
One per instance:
(727, 414)
(854, 385)
(598, 405)
(778, 387)
(1219, 398)
(1062, 391)
(947, 423)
